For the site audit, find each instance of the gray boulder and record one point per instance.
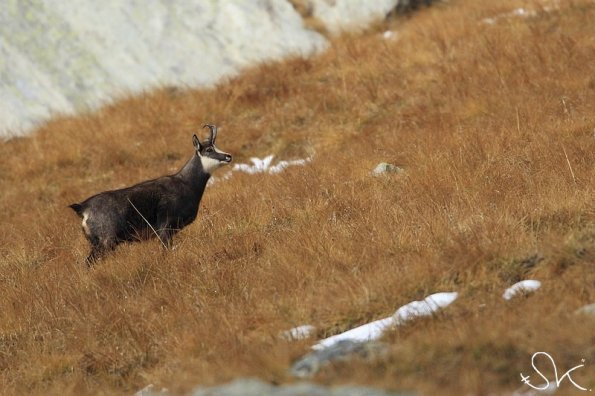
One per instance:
(60, 59)
(310, 364)
(256, 387)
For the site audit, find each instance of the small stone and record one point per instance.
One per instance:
(388, 35)
(588, 309)
(385, 167)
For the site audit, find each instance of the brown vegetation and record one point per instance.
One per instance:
(494, 125)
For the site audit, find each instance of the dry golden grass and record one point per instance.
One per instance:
(494, 125)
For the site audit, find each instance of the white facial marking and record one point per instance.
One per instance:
(210, 164)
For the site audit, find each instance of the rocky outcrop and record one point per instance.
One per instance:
(255, 387)
(344, 15)
(337, 16)
(56, 58)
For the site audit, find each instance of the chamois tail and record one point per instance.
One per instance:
(78, 208)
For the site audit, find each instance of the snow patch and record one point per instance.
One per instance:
(264, 165)
(298, 333)
(426, 307)
(374, 330)
(519, 13)
(260, 166)
(522, 287)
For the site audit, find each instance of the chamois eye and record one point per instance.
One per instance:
(209, 150)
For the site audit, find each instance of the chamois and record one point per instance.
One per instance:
(160, 207)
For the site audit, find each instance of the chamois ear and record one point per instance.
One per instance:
(196, 142)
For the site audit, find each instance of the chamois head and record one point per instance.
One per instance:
(210, 157)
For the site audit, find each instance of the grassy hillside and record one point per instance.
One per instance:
(495, 127)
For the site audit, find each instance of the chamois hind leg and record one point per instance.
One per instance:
(93, 256)
(98, 250)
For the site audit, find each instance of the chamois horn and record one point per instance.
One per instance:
(213, 129)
